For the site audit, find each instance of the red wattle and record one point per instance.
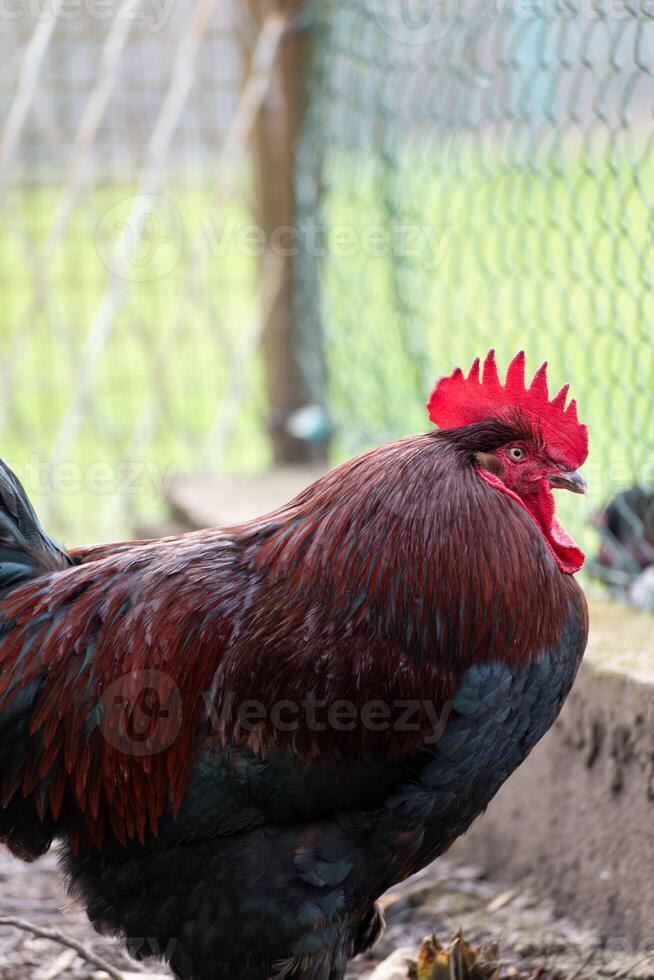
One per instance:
(541, 508)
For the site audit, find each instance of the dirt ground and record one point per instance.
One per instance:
(516, 929)
(35, 893)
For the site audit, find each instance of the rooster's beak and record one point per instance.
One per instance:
(568, 481)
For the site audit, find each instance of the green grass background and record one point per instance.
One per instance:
(165, 364)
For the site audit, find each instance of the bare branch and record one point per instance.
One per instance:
(59, 937)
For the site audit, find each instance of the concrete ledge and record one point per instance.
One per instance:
(578, 816)
(219, 499)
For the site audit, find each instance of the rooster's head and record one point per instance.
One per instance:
(520, 442)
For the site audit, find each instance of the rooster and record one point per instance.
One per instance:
(242, 737)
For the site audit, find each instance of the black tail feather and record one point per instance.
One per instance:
(26, 552)
(25, 549)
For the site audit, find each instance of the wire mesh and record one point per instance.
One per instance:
(480, 173)
(126, 299)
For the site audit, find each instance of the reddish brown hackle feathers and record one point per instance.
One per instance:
(457, 401)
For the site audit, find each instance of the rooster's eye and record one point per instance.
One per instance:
(517, 453)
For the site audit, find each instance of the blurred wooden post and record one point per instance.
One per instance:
(274, 143)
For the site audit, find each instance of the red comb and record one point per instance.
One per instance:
(457, 400)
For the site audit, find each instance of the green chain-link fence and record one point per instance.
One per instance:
(480, 173)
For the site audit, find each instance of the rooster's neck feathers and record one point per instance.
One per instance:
(409, 533)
